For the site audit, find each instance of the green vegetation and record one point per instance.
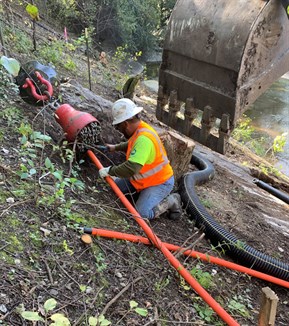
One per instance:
(263, 146)
(204, 278)
(139, 24)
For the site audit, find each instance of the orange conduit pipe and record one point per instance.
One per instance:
(191, 253)
(221, 312)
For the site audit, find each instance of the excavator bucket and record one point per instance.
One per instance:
(219, 56)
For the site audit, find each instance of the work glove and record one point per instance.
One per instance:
(104, 172)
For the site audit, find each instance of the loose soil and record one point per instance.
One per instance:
(42, 255)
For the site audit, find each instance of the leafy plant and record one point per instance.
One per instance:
(163, 283)
(134, 307)
(204, 311)
(49, 305)
(6, 86)
(269, 169)
(204, 278)
(243, 131)
(66, 248)
(206, 202)
(278, 145)
(240, 304)
(17, 39)
(100, 262)
(11, 114)
(98, 321)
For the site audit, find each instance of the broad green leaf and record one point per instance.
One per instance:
(50, 304)
(31, 315)
(11, 65)
(32, 171)
(44, 137)
(133, 304)
(30, 162)
(82, 287)
(101, 318)
(23, 140)
(60, 320)
(105, 323)
(48, 163)
(24, 175)
(141, 311)
(92, 321)
(32, 11)
(58, 175)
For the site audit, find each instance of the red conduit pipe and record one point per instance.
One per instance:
(191, 253)
(170, 257)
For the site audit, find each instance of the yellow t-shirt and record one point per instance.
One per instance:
(143, 151)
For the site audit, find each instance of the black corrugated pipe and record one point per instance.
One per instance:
(234, 247)
(277, 193)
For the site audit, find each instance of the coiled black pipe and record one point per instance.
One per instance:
(277, 193)
(237, 249)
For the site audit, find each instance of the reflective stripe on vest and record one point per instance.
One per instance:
(157, 168)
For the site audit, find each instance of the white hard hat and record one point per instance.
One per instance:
(124, 109)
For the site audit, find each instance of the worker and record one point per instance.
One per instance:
(147, 170)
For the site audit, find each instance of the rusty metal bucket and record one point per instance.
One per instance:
(219, 57)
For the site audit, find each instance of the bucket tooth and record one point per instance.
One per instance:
(162, 101)
(190, 115)
(208, 122)
(224, 134)
(174, 108)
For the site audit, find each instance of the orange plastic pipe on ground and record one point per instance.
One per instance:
(191, 253)
(171, 258)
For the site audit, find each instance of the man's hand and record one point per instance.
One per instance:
(110, 147)
(104, 172)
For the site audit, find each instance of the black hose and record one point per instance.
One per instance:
(277, 193)
(220, 237)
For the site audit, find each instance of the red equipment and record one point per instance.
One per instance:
(71, 120)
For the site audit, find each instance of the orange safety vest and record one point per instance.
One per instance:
(157, 172)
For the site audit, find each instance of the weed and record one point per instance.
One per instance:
(17, 40)
(162, 283)
(66, 248)
(55, 53)
(243, 131)
(12, 115)
(98, 321)
(269, 170)
(204, 278)
(240, 304)
(206, 203)
(58, 319)
(279, 143)
(100, 262)
(49, 305)
(204, 311)
(134, 307)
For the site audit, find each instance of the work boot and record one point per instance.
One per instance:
(170, 205)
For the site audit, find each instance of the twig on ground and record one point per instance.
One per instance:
(16, 204)
(113, 300)
(48, 271)
(63, 270)
(78, 321)
(190, 247)
(3, 247)
(174, 322)
(71, 161)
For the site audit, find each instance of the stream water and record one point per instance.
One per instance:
(270, 115)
